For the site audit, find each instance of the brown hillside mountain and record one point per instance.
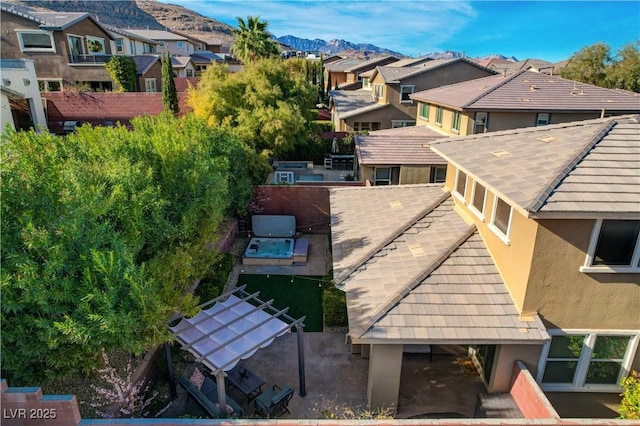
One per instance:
(142, 15)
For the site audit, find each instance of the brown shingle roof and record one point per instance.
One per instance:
(581, 167)
(407, 145)
(530, 91)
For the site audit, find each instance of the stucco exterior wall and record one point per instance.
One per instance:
(154, 72)
(385, 366)
(19, 77)
(367, 173)
(414, 174)
(505, 357)
(569, 299)
(55, 65)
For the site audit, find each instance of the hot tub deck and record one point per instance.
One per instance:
(316, 260)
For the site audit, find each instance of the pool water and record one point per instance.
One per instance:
(309, 177)
(281, 248)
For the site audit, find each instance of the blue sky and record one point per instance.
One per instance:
(550, 30)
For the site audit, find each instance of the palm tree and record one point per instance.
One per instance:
(253, 41)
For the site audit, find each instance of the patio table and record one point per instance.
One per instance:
(246, 381)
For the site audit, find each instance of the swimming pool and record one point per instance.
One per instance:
(289, 165)
(310, 178)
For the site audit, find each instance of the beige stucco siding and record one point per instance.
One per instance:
(414, 174)
(569, 299)
(505, 357)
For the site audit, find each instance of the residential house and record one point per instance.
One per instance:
(522, 99)
(20, 96)
(183, 66)
(386, 102)
(530, 252)
(336, 71)
(148, 73)
(171, 42)
(355, 74)
(130, 44)
(202, 59)
(67, 48)
(399, 156)
(536, 65)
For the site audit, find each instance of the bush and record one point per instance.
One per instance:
(630, 404)
(212, 285)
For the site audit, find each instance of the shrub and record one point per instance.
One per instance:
(123, 71)
(212, 285)
(630, 404)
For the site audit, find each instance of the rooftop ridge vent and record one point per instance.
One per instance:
(548, 139)
(501, 153)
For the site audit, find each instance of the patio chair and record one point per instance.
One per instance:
(273, 402)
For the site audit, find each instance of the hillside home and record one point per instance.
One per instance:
(173, 43)
(354, 75)
(386, 103)
(530, 252)
(130, 44)
(522, 99)
(336, 71)
(399, 156)
(148, 73)
(183, 66)
(203, 59)
(67, 48)
(20, 96)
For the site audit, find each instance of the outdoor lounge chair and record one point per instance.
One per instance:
(273, 402)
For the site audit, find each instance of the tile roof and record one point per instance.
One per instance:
(128, 34)
(350, 103)
(426, 279)
(180, 61)
(410, 62)
(144, 62)
(343, 64)
(393, 74)
(406, 145)
(585, 167)
(49, 20)
(371, 63)
(158, 35)
(527, 90)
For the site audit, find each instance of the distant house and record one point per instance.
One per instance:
(531, 252)
(148, 73)
(130, 44)
(203, 59)
(171, 42)
(336, 71)
(354, 75)
(522, 99)
(20, 96)
(183, 66)
(67, 48)
(399, 156)
(385, 100)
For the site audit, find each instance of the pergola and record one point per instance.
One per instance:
(233, 327)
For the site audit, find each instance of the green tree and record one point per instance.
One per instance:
(321, 90)
(589, 65)
(103, 232)
(624, 73)
(328, 86)
(252, 40)
(268, 104)
(169, 92)
(123, 72)
(630, 404)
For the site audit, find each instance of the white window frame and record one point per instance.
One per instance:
(96, 39)
(120, 48)
(147, 85)
(503, 236)
(543, 122)
(485, 125)
(423, 116)
(591, 251)
(439, 115)
(82, 45)
(36, 49)
(403, 88)
(578, 383)
(132, 47)
(366, 83)
(45, 82)
(375, 175)
(435, 174)
(461, 197)
(396, 124)
(455, 121)
(378, 91)
(472, 207)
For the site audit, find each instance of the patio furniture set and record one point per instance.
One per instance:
(270, 403)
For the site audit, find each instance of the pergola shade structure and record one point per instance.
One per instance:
(234, 327)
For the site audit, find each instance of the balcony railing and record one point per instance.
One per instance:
(89, 59)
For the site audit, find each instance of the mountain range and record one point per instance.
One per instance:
(150, 14)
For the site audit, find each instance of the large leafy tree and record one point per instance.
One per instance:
(102, 233)
(169, 92)
(595, 64)
(252, 40)
(268, 104)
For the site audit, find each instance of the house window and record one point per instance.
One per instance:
(132, 46)
(424, 111)
(36, 41)
(586, 361)
(365, 126)
(438, 174)
(50, 85)
(96, 45)
(481, 123)
(150, 85)
(543, 119)
(455, 123)
(161, 43)
(378, 91)
(119, 45)
(180, 44)
(478, 199)
(189, 73)
(76, 47)
(439, 111)
(386, 176)
(614, 247)
(461, 184)
(148, 48)
(501, 219)
(395, 124)
(405, 91)
(366, 84)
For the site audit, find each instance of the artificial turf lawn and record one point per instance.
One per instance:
(303, 296)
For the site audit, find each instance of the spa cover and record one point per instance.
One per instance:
(275, 226)
(227, 332)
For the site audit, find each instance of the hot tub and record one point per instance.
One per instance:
(269, 251)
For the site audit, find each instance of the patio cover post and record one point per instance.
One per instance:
(171, 371)
(222, 394)
(303, 389)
